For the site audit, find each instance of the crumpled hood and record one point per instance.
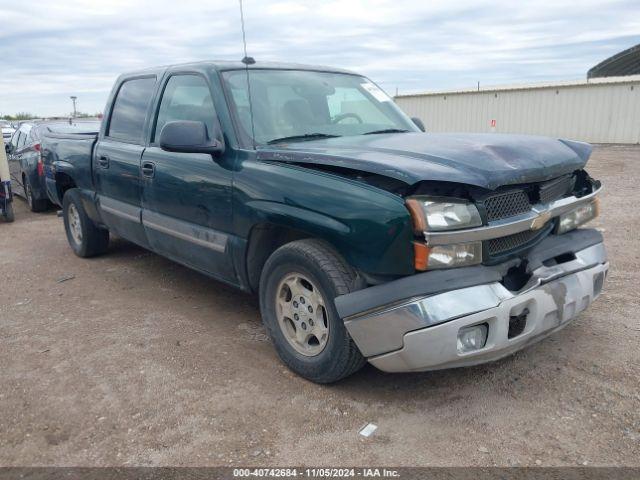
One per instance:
(484, 160)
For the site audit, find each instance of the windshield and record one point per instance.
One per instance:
(298, 105)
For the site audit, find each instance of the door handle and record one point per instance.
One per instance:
(148, 169)
(103, 161)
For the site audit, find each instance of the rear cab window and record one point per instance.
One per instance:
(89, 128)
(130, 110)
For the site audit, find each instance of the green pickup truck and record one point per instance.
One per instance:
(365, 238)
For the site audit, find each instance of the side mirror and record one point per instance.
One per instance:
(418, 123)
(187, 136)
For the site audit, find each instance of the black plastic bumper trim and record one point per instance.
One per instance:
(437, 281)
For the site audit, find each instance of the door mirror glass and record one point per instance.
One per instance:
(190, 136)
(418, 123)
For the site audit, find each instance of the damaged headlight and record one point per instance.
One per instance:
(439, 214)
(578, 216)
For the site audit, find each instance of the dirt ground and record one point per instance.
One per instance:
(130, 359)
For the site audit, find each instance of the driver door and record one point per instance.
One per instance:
(186, 197)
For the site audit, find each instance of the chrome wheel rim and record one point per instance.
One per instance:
(302, 315)
(74, 224)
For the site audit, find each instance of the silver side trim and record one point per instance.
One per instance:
(537, 217)
(205, 237)
(119, 209)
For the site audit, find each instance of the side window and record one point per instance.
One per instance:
(15, 139)
(185, 97)
(130, 109)
(21, 139)
(31, 138)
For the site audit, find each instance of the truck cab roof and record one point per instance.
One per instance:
(222, 65)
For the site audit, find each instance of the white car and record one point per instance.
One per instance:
(7, 133)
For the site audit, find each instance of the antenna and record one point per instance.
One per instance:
(248, 61)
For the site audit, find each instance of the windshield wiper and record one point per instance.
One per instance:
(306, 136)
(387, 130)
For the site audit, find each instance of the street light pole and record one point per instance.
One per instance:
(73, 99)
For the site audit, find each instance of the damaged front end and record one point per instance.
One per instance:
(502, 269)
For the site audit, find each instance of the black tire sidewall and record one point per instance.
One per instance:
(34, 204)
(9, 215)
(317, 367)
(28, 192)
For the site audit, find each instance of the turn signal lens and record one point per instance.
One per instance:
(417, 216)
(421, 256)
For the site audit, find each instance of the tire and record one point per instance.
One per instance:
(85, 237)
(34, 205)
(304, 264)
(8, 214)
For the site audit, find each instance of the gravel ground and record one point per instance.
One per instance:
(135, 360)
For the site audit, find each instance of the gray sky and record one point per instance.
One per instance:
(51, 50)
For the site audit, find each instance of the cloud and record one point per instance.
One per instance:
(51, 50)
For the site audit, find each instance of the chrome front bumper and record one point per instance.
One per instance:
(421, 333)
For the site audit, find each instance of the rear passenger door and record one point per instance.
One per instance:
(116, 160)
(186, 197)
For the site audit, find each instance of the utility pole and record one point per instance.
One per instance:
(73, 99)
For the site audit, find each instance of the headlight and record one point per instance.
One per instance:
(431, 214)
(578, 216)
(447, 256)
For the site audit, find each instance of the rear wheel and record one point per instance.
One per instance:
(8, 214)
(35, 205)
(297, 287)
(85, 237)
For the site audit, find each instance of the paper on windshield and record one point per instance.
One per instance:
(376, 92)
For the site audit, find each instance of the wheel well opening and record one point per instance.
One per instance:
(63, 183)
(265, 239)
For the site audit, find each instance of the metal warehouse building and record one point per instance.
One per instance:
(602, 109)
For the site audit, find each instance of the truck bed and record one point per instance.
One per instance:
(67, 154)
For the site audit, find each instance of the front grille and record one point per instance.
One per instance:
(497, 246)
(555, 189)
(507, 204)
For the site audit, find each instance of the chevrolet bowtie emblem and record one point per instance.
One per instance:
(540, 221)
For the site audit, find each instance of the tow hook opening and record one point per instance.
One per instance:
(559, 259)
(517, 323)
(516, 277)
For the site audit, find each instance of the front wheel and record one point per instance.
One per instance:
(297, 287)
(85, 237)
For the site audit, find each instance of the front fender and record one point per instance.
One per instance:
(370, 227)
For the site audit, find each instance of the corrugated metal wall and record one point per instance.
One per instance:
(598, 112)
